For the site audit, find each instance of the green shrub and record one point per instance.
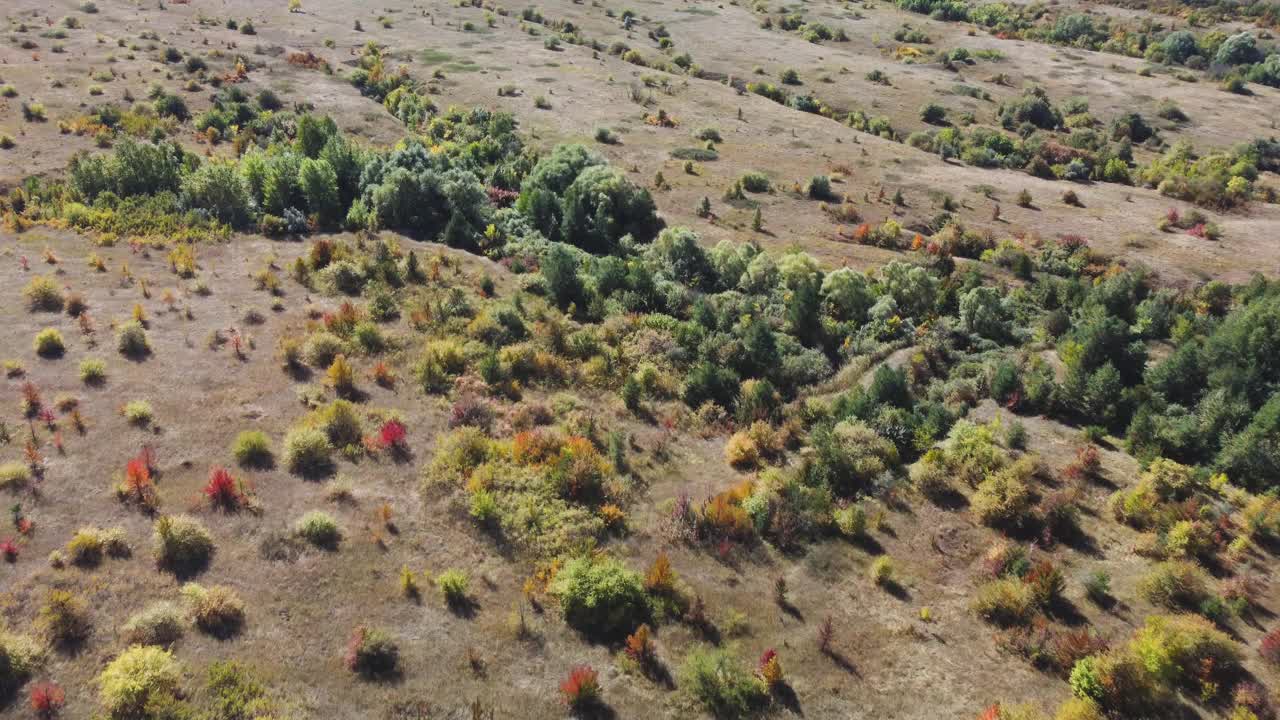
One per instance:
(160, 624)
(138, 412)
(236, 694)
(43, 294)
(93, 371)
(181, 544)
(20, 657)
(453, 586)
(14, 475)
(48, 343)
(1004, 499)
(140, 682)
(64, 618)
(1005, 602)
(1174, 584)
(322, 347)
(818, 187)
(372, 653)
(933, 113)
(1180, 650)
(131, 340)
(716, 678)
(756, 182)
(307, 452)
(881, 572)
(600, 597)
(318, 528)
(253, 449)
(216, 610)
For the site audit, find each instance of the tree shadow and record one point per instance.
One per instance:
(1066, 612)
(896, 589)
(787, 607)
(464, 607)
(843, 662)
(786, 696)
(949, 499)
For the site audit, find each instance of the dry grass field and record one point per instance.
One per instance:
(964, 492)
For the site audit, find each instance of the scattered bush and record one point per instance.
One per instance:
(318, 528)
(140, 680)
(48, 343)
(181, 544)
(131, 340)
(723, 684)
(453, 585)
(307, 452)
(93, 371)
(581, 690)
(138, 413)
(160, 624)
(43, 294)
(372, 653)
(253, 449)
(600, 597)
(64, 618)
(216, 610)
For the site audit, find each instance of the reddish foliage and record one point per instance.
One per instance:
(1086, 464)
(392, 435)
(148, 456)
(826, 634)
(581, 688)
(1072, 242)
(352, 656)
(1068, 646)
(991, 713)
(47, 699)
(500, 197)
(767, 655)
(1270, 647)
(222, 490)
(1173, 217)
(137, 475)
(31, 395)
(1197, 230)
(639, 647)
(308, 60)
(8, 550)
(1254, 697)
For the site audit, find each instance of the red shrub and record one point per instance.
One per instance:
(1068, 646)
(991, 713)
(137, 475)
(148, 457)
(1270, 647)
(222, 490)
(500, 197)
(470, 410)
(31, 396)
(582, 688)
(1072, 242)
(392, 434)
(639, 646)
(47, 699)
(1254, 697)
(8, 550)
